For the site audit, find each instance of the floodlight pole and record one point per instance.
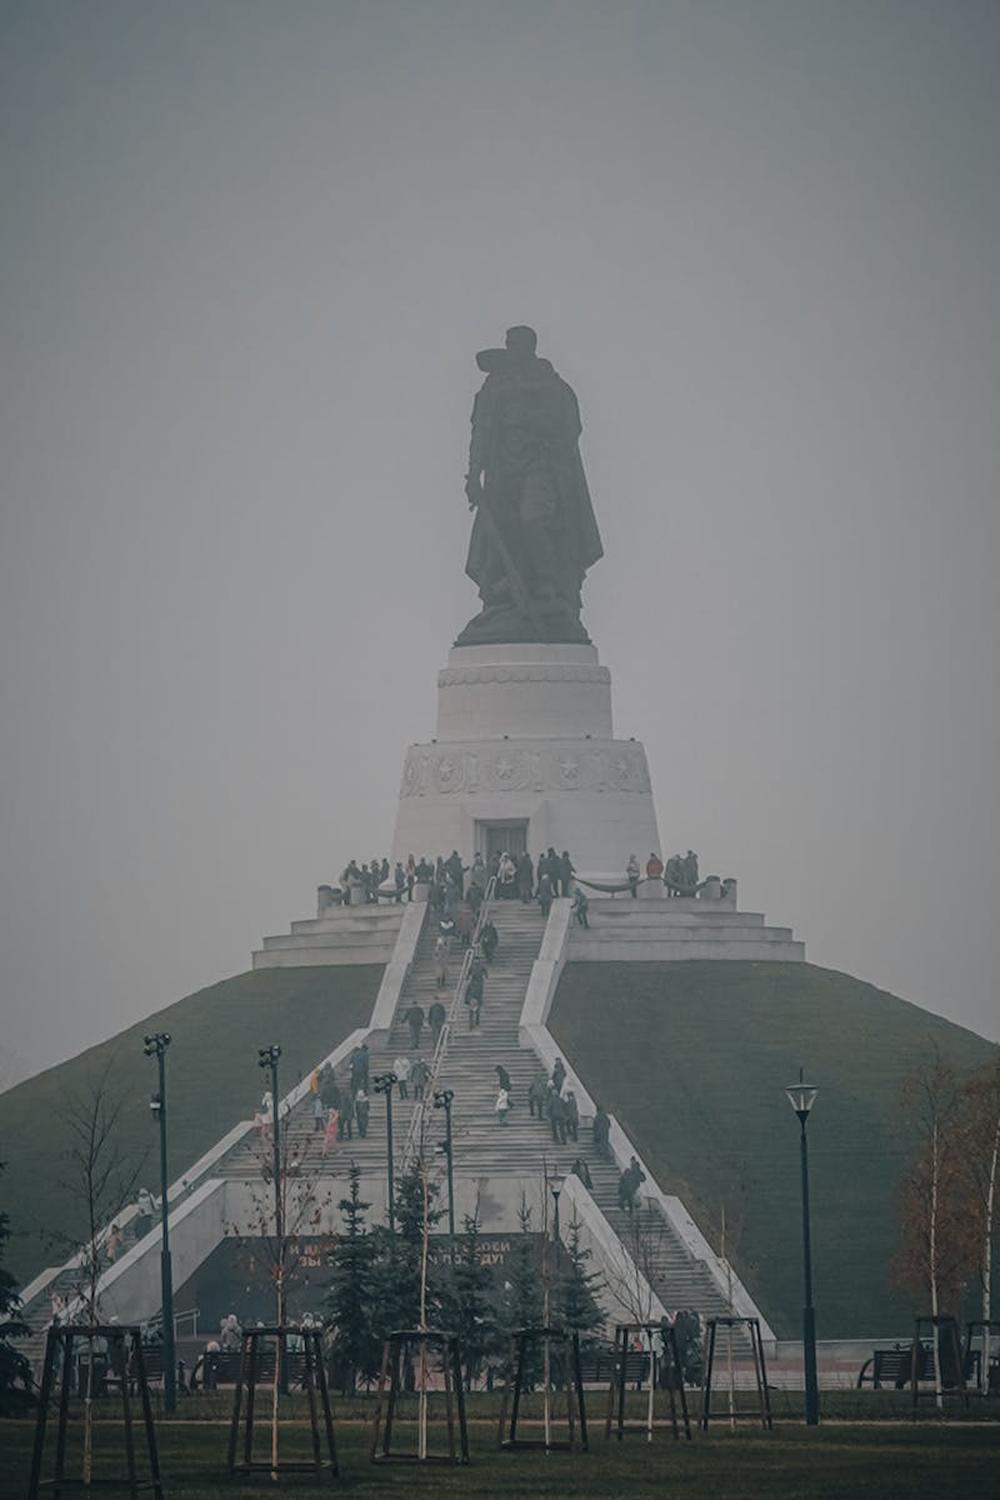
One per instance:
(267, 1057)
(384, 1085)
(443, 1100)
(156, 1046)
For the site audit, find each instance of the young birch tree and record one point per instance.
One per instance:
(100, 1176)
(302, 1207)
(981, 1153)
(632, 1279)
(15, 1371)
(936, 1255)
(304, 1200)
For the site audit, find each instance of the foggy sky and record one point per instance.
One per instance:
(247, 254)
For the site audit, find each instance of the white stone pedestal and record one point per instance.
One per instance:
(525, 736)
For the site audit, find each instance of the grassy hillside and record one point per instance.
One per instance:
(692, 1058)
(213, 1081)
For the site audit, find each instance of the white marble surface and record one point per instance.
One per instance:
(523, 691)
(525, 734)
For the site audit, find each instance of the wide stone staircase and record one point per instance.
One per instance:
(480, 1144)
(484, 1150)
(482, 1147)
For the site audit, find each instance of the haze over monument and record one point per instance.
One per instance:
(241, 508)
(245, 262)
(480, 947)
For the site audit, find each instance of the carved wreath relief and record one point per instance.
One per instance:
(615, 767)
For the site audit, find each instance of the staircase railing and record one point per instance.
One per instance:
(413, 1146)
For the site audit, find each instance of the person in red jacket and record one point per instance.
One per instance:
(654, 867)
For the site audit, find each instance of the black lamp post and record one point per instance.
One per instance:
(442, 1100)
(267, 1057)
(802, 1096)
(384, 1083)
(156, 1046)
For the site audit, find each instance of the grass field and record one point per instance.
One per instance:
(940, 1463)
(213, 1082)
(692, 1058)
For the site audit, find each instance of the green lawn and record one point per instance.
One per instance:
(901, 1463)
(213, 1082)
(692, 1058)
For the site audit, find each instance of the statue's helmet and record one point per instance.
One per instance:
(521, 340)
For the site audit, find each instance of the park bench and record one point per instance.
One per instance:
(597, 1366)
(223, 1368)
(107, 1374)
(152, 1359)
(894, 1367)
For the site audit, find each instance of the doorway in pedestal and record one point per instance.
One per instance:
(494, 839)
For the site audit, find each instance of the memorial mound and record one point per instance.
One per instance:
(693, 1057)
(214, 1083)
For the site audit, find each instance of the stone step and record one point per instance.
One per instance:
(642, 915)
(351, 919)
(661, 950)
(681, 936)
(360, 940)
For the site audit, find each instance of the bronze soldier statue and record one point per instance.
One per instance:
(535, 534)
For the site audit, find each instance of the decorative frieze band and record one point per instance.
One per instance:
(457, 676)
(615, 766)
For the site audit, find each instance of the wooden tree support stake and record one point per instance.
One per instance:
(522, 1342)
(125, 1368)
(665, 1373)
(762, 1411)
(252, 1371)
(397, 1346)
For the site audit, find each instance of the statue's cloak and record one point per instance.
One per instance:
(525, 418)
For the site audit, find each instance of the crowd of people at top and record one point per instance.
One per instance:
(518, 877)
(450, 882)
